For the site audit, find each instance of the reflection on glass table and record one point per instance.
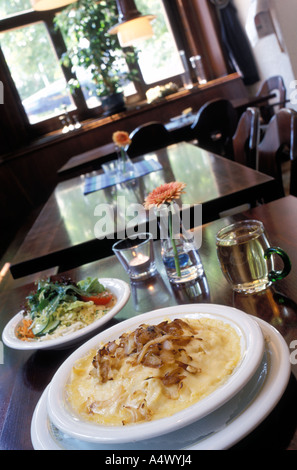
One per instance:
(191, 292)
(150, 294)
(73, 227)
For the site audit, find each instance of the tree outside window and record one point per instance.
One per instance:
(35, 62)
(36, 71)
(12, 7)
(158, 57)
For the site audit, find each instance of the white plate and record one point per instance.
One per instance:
(252, 345)
(219, 430)
(118, 287)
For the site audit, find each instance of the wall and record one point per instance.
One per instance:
(270, 57)
(286, 11)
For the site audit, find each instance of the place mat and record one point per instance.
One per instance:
(102, 181)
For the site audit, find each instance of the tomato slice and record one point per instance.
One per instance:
(98, 299)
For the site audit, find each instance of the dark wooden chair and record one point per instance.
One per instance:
(293, 178)
(148, 138)
(215, 126)
(246, 138)
(272, 85)
(279, 142)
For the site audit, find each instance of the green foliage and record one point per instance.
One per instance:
(31, 59)
(85, 25)
(160, 48)
(10, 7)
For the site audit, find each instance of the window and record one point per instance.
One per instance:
(33, 47)
(12, 7)
(36, 71)
(158, 57)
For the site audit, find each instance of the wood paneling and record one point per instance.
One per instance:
(202, 34)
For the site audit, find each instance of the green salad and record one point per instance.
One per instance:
(63, 305)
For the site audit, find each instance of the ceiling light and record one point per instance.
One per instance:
(132, 26)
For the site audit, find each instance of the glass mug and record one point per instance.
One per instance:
(246, 257)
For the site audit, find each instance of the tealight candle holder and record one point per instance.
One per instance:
(136, 255)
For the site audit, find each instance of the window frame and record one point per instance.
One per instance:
(47, 17)
(83, 113)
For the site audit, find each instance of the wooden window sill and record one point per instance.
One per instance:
(132, 111)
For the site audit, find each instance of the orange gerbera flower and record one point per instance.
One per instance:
(121, 138)
(164, 194)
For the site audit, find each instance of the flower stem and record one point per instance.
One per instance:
(175, 253)
(123, 154)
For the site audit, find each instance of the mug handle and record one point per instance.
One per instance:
(278, 275)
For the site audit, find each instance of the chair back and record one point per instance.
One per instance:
(293, 178)
(246, 138)
(272, 84)
(148, 138)
(214, 127)
(280, 140)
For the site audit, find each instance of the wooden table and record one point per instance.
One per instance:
(241, 104)
(180, 130)
(179, 127)
(63, 234)
(87, 161)
(24, 376)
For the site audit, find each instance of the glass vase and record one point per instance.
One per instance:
(178, 250)
(182, 261)
(125, 165)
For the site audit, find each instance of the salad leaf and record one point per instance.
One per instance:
(50, 295)
(91, 286)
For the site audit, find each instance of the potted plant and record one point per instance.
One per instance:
(85, 25)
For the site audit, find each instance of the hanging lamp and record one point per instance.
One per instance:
(132, 25)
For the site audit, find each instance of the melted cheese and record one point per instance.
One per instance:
(137, 394)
